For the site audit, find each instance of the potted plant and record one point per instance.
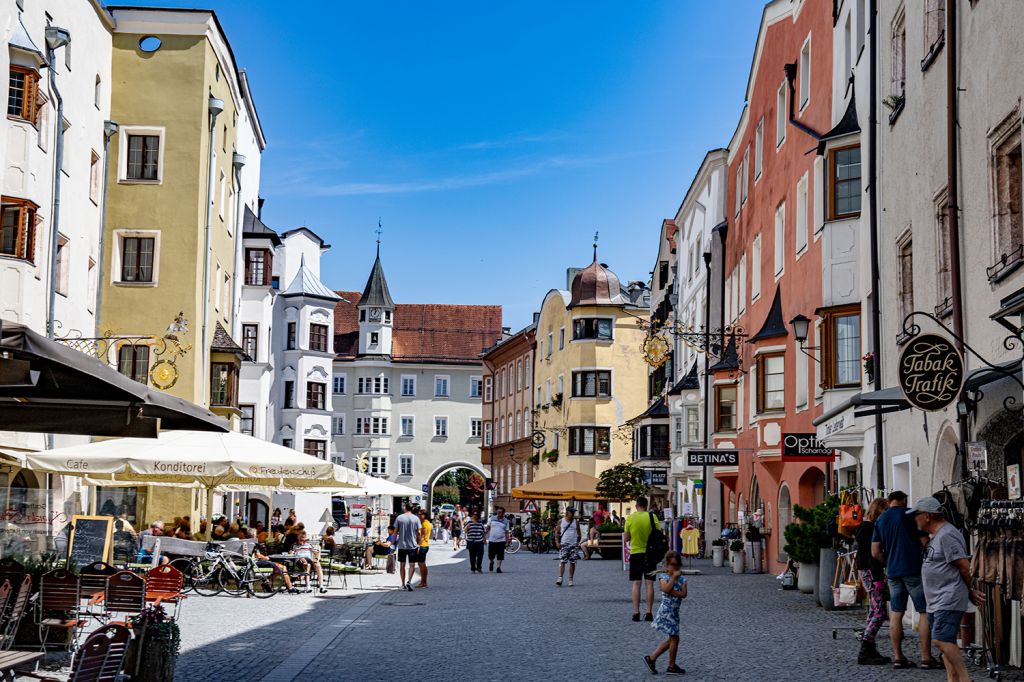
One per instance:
(611, 540)
(754, 549)
(153, 652)
(556, 400)
(869, 365)
(551, 456)
(806, 537)
(535, 459)
(739, 559)
(718, 552)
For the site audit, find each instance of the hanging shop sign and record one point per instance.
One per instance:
(977, 455)
(931, 372)
(699, 458)
(656, 477)
(806, 447)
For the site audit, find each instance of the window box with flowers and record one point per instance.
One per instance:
(551, 456)
(869, 365)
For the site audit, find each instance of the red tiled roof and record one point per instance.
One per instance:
(428, 332)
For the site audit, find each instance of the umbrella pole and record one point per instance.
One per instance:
(209, 512)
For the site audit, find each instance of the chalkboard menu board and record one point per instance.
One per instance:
(90, 540)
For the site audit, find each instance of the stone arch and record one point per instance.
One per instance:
(1002, 433)
(811, 487)
(945, 461)
(448, 466)
(785, 518)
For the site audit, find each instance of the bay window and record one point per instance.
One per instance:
(589, 440)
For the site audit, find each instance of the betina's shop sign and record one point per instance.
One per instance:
(931, 372)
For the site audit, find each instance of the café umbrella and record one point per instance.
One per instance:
(208, 459)
(569, 485)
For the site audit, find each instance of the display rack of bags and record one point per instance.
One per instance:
(997, 567)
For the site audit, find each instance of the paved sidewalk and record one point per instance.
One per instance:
(519, 625)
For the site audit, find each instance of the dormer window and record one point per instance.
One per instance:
(387, 317)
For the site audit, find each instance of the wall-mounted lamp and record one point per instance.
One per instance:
(801, 327)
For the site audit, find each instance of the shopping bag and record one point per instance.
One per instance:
(851, 515)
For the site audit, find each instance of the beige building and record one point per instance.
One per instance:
(589, 376)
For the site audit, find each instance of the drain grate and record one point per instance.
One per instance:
(337, 596)
(403, 603)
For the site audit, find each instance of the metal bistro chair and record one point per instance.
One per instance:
(5, 596)
(100, 658)
(59, 600)
(15, 610)
(164, 585)
(126, 595)
(11, 571)
(93, 579)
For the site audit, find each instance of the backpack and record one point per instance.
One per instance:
(657, 545)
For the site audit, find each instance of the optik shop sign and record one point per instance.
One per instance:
(931, 372)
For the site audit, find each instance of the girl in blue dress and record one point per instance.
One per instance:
(673, 588)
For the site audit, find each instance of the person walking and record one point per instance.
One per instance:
(408, 529)
(898, 542)
(498, 536)
(872, 576)
(673, 592)
(457, 523)
(421, 557)
(639, 526)
(946, 576)
(475, 535)
(567, 542)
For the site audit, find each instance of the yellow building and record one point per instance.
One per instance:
(184, 162)
(590, 376)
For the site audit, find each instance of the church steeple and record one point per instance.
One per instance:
(376, 292)
(376, 311)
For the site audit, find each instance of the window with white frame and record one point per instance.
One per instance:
(561, 339)
(372, 426)
(692, 425)
(405, 465)
(781, 115)
(136, 255)
(488, 431)
(500, 430)
(755, 269)
(898, 68)
(338, 458)
(508, 420)
(140, 154)
(441, 386)
(338, 425)
(805, 73)
(742, 285)
(526, 375)
(476, 387)
(759, 149)
(739, 183)
(551, 343)
(526, 423)
(378, 385)
(476, 427)
(519, 425)
(678, 429)
(1006, 190)
(408, 425)
(934, 25)
(315, 448)
(547, 391)
(488, 389)
(561, 385)
(440, 427)
(780, 238)
(339, 383)
(378, 465)
(801, 214)
(408, 386)
(519, 375)
(746, 173)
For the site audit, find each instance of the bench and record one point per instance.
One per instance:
(9, 660)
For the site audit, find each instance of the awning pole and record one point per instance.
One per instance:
(209, 512)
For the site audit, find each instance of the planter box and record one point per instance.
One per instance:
(807, 578)
(610, 546)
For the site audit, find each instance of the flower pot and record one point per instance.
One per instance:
(826, 573)
(807, 578)
(739, 560)
(754, 557)
(718, 556)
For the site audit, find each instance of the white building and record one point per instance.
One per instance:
(407, 383)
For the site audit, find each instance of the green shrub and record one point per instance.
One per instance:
(809, 533)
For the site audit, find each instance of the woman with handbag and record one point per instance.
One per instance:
(872, 576)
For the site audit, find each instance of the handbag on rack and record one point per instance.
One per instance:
(851, 514)
(846, 584)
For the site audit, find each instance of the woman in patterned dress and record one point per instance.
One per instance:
(673, 588)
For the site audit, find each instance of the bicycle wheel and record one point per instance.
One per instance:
(187, 567)
(263, 582)
(514, 546)
(232, 581)
(206, 579)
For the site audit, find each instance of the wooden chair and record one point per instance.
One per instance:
(16, 606)
(126, 595)
(93, 579)
(164, 585)
(11, 571)
(100, 658)
(5, 596)
(60, 598)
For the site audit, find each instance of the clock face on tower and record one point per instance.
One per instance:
(374, 314)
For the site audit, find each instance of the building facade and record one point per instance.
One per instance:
(407, 384)
(768, 385)
(508, 407)
(589, 380)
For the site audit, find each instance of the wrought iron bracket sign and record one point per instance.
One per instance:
(699, 458)
(711, 341)
(538, 439)
(805, 447)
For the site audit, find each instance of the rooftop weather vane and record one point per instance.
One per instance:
(378, 231)
(595, 245)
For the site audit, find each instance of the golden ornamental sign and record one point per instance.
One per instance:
(656, 350)
(163, 374)
(931, 372)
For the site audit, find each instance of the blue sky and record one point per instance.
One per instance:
(492, 139)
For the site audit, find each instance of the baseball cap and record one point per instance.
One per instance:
(928, 505)
(571, 510)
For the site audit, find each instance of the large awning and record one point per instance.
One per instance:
(47, 387)
(570, 485)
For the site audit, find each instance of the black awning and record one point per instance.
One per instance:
(657, 410)
(888, 400)
(730, 360)
(47, 387)
(774, 324)
(1008, 306)
(689, 382)
(986, 375)
(848, 125)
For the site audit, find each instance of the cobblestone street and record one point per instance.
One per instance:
(518, 625)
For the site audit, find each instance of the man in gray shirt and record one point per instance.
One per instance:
(946, 575)
(407, 527)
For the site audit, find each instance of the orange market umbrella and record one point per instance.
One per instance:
(570, 485)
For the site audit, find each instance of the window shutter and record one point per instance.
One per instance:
(267, 264)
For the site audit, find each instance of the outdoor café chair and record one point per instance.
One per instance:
(5, 596)
(126, 594)
(93, 579)
(11, 571)
(100, 658)
(16, 609)
(164, 585)
(59, 600)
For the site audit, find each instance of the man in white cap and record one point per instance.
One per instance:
(568, 543)
(946, 575)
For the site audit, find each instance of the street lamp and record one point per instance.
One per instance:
(512, 454)
(801, 328)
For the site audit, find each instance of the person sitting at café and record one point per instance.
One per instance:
(291, 536)
(220, 529)
(308, 558)
(262, 556)
(593, 538)
(156, 528)
(380, 548)
(328, 542)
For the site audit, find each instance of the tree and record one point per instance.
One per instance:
(621, 482)
(809, 533)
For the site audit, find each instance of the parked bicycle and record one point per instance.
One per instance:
(218, 571)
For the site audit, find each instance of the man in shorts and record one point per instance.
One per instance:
(498, 536)
(408, 528)
(639, 525)
(568, 543)
(946, 576)
(898, 542)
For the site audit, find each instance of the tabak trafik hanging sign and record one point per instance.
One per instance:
(931, 372)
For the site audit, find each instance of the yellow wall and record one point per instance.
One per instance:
(169, 88)
(629, 383)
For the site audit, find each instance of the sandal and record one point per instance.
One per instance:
(932, 665)
(903, 664)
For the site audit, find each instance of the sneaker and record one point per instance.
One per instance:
(636, 617)
(292, 590)
(499, 570)
(571, 582)
(323, 590)
(408, 587)
(649, 662)
(490, 566)
(675, 670)
(559, 582)
(649, 617)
